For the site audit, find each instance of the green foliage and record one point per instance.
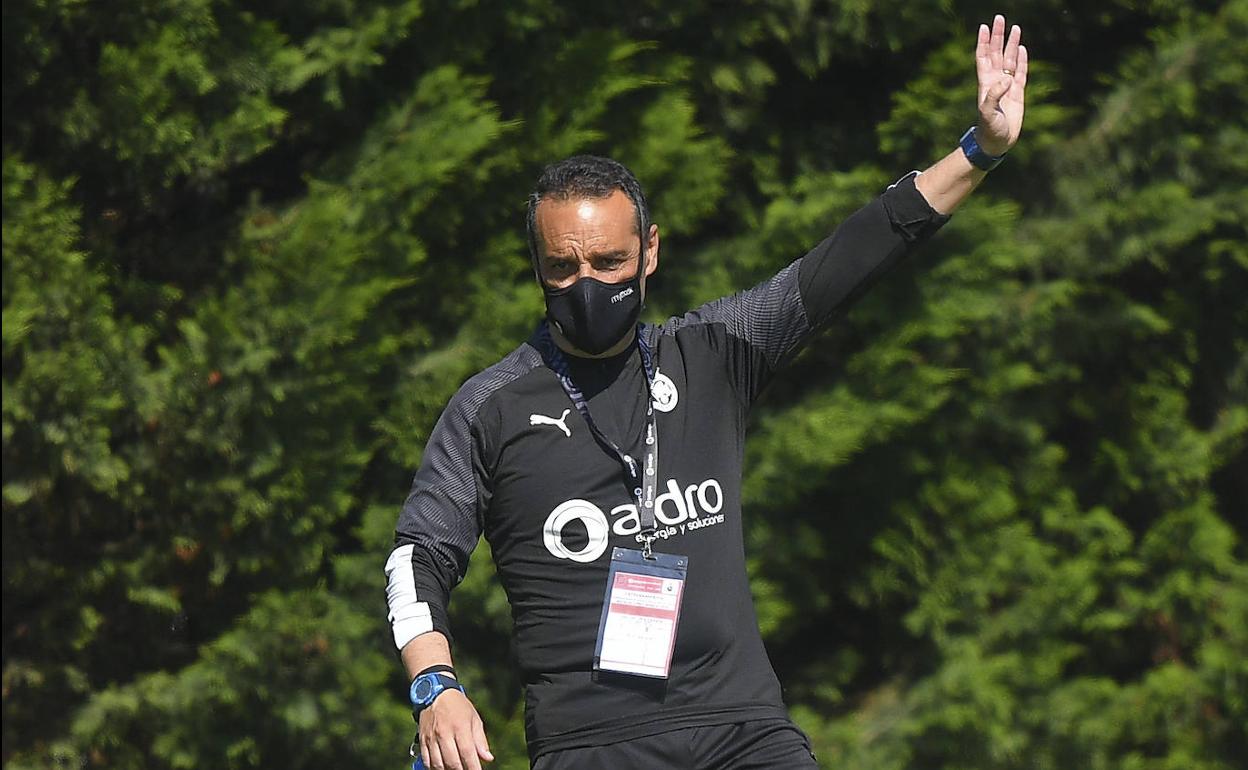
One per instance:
(994, 515)
(73, 374)
(294, 681)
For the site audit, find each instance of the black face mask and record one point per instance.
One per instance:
(594, 315)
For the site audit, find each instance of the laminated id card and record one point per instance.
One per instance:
(640, 613)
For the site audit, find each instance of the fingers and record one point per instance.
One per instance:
(992, 99)
(432, 754)
(467, 754)
(453, 752)
(482, 744)
(996, 44)
(1010, 56)
(1020, 74)
(997, 52)
(444, 752)
(983, 59)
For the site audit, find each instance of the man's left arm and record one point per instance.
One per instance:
(876, 237)
(765, 325)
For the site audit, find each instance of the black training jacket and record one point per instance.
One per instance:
(511, 458)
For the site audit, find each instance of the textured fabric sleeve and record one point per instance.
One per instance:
(865, 247)
(752, 331)
(761, 327)
(440, 522)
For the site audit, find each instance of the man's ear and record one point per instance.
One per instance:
(652, 250)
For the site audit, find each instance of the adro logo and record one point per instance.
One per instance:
(675, 511)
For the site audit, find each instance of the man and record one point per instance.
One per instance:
(624, 566)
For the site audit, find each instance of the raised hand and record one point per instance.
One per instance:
(1001, 65)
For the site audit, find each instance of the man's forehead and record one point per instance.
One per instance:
(612, 216)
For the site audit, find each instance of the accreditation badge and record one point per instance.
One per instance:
(640, 613)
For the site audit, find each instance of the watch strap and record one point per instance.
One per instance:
(975, 154)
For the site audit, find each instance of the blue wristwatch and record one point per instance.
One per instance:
(426, 687)
(975, 154)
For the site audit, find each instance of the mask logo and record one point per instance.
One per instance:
(621, 295)
(561, 423)
(596, 529)
(663, 391)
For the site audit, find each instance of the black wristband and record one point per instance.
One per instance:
(976, 154)
(440, 668)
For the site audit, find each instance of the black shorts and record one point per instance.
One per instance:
(758, 745)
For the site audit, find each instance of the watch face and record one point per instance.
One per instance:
(423, 690)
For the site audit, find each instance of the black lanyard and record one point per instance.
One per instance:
(643, 479)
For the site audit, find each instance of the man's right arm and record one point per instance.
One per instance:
(451, 734)
(437, 530)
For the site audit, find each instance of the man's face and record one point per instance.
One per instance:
(591, 237)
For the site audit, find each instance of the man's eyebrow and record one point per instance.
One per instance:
(613, 254)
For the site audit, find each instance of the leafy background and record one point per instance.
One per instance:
(995, 515)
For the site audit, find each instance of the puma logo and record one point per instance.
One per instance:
(541, 419)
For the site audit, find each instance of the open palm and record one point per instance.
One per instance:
(1001, 67)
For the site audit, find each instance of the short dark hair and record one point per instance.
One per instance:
(586, 176)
